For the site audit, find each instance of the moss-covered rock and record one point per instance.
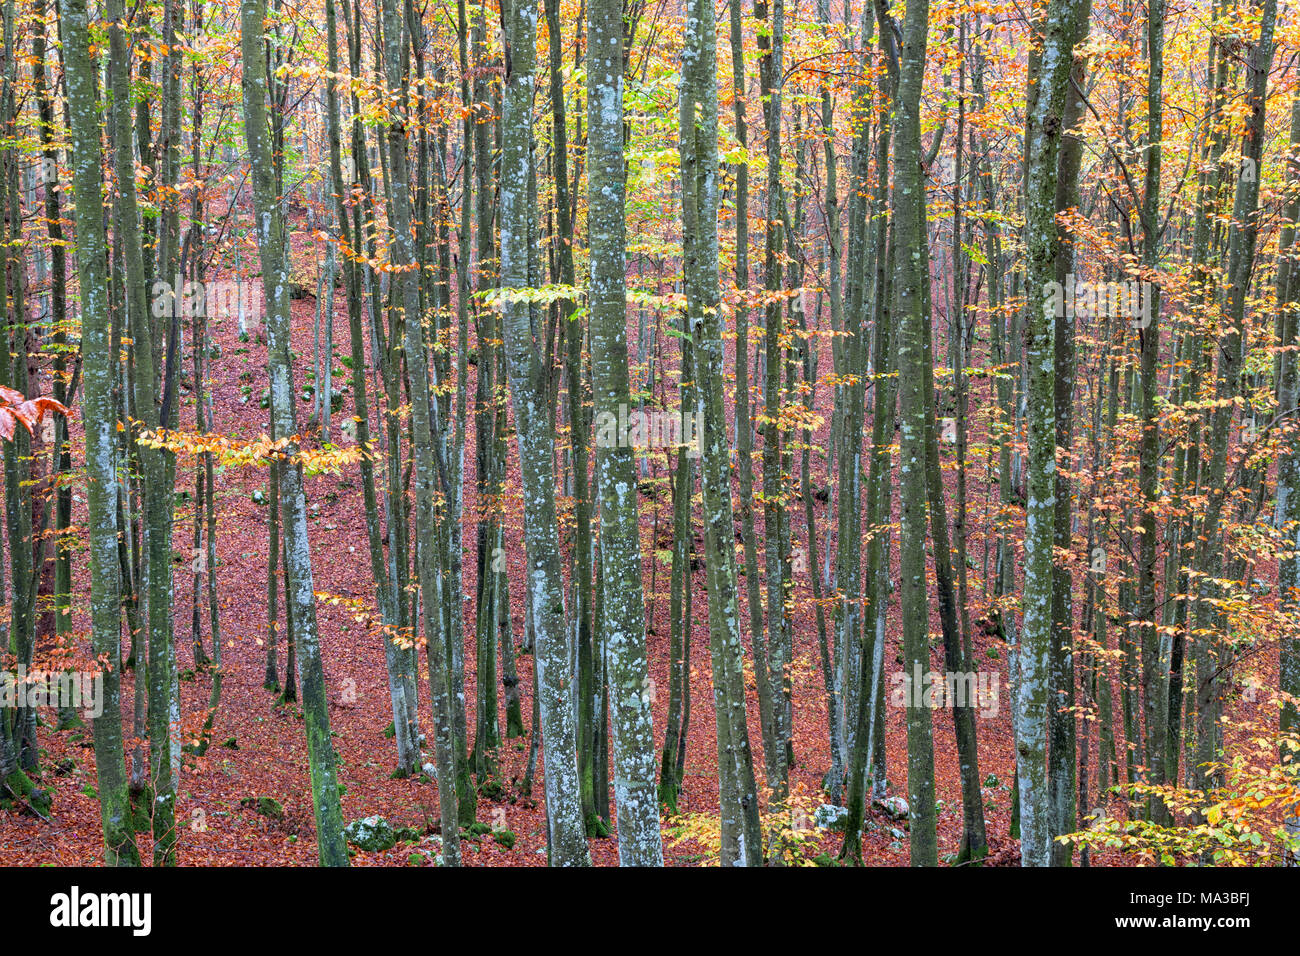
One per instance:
(266, 806)
(830, 817)
(17, 790)
(895, 807)
(371, 834)
(408, 834)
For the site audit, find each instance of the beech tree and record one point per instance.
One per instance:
(1043, 142)
(956, 357)
(534, 434)
(741, 836)
(272, 249)
(620, 551)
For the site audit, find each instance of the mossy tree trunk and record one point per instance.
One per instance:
(535, 432)
(627, 672)
(1044, 128)
(911, 278)
(300, 601)
(98, 413)
(741, 831)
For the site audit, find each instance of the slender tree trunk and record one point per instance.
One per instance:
(1211, 652)
(1061, 696)
(743, 421)
(157, 491)
(1288, 473)
(911, 279)
(775, 558)
(300, 600)
(741, 833)
(1155, 652)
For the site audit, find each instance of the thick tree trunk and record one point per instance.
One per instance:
(98, 412)
(529, 390)
(623, 621)
(1043, 132)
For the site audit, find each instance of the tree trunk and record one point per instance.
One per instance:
(534, 430)
(272, 243)
(741, 834)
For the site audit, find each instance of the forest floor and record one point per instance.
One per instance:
(259, 747)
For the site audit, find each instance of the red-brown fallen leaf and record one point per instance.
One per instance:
(36, 408)
(17, 407)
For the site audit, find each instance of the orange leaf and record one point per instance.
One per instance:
(18, 413)
(36, 408)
